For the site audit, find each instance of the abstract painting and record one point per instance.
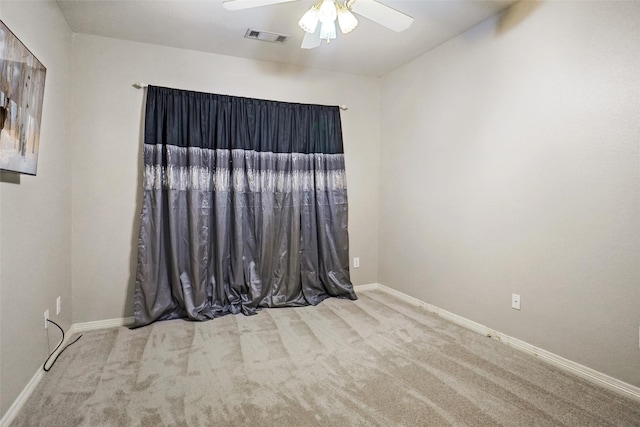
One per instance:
(21, 92)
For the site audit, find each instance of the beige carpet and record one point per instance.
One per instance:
(375, 361)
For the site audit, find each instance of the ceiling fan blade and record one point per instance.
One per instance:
(382, 14)
(311, 40)
(248, 4)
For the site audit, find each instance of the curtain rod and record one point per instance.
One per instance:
(140, 85)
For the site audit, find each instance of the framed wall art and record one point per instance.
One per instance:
(22, 79)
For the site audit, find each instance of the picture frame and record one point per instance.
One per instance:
(22, 79)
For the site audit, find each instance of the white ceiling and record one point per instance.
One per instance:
(203, 25)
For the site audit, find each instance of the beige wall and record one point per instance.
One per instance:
(511, 166)
(106, 156)
(35, 211)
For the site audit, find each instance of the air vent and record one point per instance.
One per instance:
(266, 36)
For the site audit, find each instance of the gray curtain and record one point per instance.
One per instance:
(244, 206)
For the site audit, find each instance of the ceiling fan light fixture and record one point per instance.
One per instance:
(309, 21)
(346, 19)
(328, 30)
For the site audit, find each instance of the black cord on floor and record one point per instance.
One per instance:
(53, 352)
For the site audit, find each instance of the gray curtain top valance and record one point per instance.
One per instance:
(211, 121)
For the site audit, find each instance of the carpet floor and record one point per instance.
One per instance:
(377, 361)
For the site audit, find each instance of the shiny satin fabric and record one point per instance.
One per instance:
(244, 206)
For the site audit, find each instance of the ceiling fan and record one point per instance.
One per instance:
(319, 23)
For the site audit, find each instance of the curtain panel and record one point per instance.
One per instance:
(244, 206)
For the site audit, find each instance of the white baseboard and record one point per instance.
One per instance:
(567, 365)
(75, 328)
(100, 324)
(367, 287)
(22, 398)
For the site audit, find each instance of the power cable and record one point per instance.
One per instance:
(56, 349)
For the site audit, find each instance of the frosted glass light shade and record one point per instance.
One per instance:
(346, 20)
(327, 11)
(328, 30)
(309, 21)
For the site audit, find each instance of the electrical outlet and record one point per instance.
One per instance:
(515, 301)
(58, 305)
(356, 262)
(46, 318)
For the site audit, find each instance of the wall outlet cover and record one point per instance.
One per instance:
(515, 301)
